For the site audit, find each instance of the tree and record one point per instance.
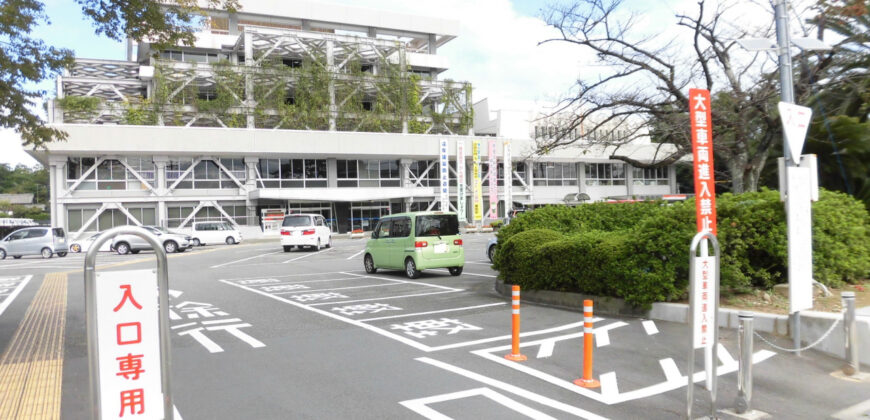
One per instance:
(24, 180)
(25, 60)
(649, 78)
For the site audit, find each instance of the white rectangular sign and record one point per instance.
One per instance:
(128, 337)
(444, 175)
(460, 179)
(704, 294)
(492, 179)
(508, 178)
(800, 239)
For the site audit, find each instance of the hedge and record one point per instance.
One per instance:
(639, 251)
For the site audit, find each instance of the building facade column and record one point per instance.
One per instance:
(672, 179)
(405, 173)
(332, 173)
(629, 180)
(581, 176)
(160, 176)
(57, 188)
(249, 79)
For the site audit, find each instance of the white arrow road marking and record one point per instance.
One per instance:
(650, 327)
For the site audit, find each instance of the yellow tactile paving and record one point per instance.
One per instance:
(31, 366)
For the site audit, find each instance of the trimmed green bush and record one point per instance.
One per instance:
(639, 251)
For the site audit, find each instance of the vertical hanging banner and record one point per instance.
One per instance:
(460, 180)
(493, 180)
(508, 178)
(477, 205)
(443, 175)
(702, 150)
(128, 335)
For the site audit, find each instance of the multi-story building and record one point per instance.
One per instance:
(291, 105)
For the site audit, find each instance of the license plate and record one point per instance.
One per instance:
(441, 248)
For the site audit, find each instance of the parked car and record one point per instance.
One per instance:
(172, 242)
(305, 230)
(214, 233)
(83, 245)
(490, 248)
(43, 241)
(415, 242)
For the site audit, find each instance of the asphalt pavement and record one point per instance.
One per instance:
(258, 333)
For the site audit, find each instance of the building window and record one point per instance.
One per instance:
(554, 173)
(293, 173)
(175, 214)
(605, 174)
(484, 169)
(431, 178)
(649, 176)
(368, 173)
(192, 57)
(110, 174)
(206, 175)
(520, 171)
(76, 218)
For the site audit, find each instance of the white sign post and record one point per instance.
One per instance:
(129, 355)
(460, 180)
(129, 340)
(508, 179)
(444, 175)
(703, 313)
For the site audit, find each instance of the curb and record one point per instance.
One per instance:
(813, 324)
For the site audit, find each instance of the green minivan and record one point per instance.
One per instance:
(414, 242)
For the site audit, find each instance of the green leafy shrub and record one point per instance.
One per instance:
(496, 224)
(639, 251)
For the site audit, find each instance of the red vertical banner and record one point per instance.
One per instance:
(702, 150)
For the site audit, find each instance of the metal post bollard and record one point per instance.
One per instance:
(853, 366)
(743, 402)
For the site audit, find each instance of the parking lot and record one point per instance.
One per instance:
(260, 333)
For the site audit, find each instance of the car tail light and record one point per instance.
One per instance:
(285, 232)
(457, 242)
(308, 232)
(421, 244)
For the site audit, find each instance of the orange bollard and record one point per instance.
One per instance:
(515, 330)
(588, 334)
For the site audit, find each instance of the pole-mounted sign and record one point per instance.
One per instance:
(127, 316)
(492, 179)
(702, 150)
(460, 180)
(477, 203)
(508, 178)
(444, 175)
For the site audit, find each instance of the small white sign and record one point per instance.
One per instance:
(704, 294)
(444, 175)
(795, 121)
(128, 336)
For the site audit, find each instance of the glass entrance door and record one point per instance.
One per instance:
(365, 215)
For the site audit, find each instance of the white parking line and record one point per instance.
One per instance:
(307, 255)
(421, 405)
(386, 298)
(540, 399)
(285, 275)
(403, 281)
(650, 327)
(434, 312)
(354, 255)
(336, 288)
(8, 301)
(243, 259)
(481, 275)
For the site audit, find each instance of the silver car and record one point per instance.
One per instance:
(172, 242)
(34, 241)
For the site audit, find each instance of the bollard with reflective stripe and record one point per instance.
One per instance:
(745, 329)
(853, 365)
(587, 381)
(515, 327)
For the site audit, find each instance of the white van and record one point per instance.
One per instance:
(202, 233)
(305, 230)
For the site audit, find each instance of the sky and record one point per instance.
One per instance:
(497, 49)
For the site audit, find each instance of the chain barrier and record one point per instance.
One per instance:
(822, 338)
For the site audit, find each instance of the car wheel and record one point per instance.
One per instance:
(2, 254)
(411, 269)
(17, 257)
(196, 242)
(369, 264)
(170, 247)
(122, 248)
(455, 271)
(230, 240)
(329, 241)
(75, 248)
(288, 248)
(135, 251)
(317, 247)
(491, 253)
(61, 254)
(46, 253)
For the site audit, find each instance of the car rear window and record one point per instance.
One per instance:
(437, 225)
(296, 221)
(58, 232)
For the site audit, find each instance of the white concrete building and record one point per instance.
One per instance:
(291, 105)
